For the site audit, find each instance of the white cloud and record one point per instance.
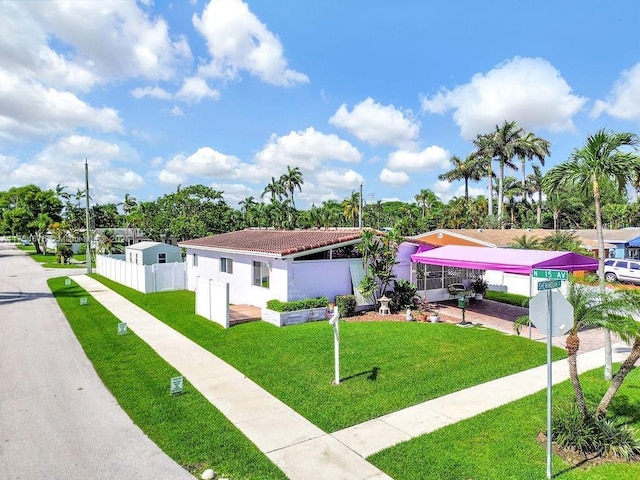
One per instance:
(205, 162)
(176, 111)
(171, 178)
(339, 179)
(393, 178)
(153, 92)
(306, 150)
(528, 90)
(57, 111)
(428, 159)
(377, 124)
(624, 99)
(238, 40)
(120, 179)
(195, 89)
(234, 193)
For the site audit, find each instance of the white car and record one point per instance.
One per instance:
(622, 270)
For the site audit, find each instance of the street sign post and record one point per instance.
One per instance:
(557, 321)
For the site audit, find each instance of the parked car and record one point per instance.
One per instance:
(622, 270)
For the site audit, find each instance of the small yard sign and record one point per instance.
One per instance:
(549, 284)
(176, 385)
(83, 300)
(67, 281)
(550, 274)
(122, 328)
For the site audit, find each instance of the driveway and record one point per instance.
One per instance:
(57, 419)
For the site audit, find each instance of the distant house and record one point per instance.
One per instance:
(264, 264)
(149, 253)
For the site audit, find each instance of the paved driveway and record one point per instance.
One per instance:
(57, 420)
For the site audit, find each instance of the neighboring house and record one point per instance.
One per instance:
(625, 242)
(149, 253)
(264, 264)
(500, 238)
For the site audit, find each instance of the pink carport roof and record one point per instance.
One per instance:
(510, 260)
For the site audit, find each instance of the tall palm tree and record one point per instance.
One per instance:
(534, 185)
(505, 144)
(275, 189)
(601, 158)
(468, 169)
(246, 207)
(351, 208)
(425, 199)
(483, 156)
(292, 180)
(531, 146)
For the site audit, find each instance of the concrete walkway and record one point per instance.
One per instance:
(300, 449)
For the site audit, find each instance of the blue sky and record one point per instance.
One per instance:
(228, 93)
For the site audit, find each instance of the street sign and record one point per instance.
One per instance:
(550, 274)
(549, 284)
(561, 313)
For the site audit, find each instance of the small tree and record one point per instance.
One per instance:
(379, 257)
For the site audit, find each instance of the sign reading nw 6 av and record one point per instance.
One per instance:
(550, 274)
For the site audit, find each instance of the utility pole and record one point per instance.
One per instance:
(360, 209)
(87, 218)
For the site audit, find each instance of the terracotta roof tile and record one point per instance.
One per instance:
(274, 242)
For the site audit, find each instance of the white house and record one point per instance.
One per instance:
(263, 264)
(149, 253)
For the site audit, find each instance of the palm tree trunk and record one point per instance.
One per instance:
(490, 196)
(607, 334)
(466, 190)
(573, 344)
(625, 368)
(539, 208)
(500, 189)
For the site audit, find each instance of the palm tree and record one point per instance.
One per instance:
(484, 156)
(526, 243)
(534, 185)
(246, 207)
(531, 146)
(425, 199)
(292, 180)
(351, 208)
(561, 240)
(468, 169)
(505, 144)
(275, 189)
(601, 158)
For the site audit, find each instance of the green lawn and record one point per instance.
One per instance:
(501, 444)
(187, 427)
(385, 366)
(49, 261)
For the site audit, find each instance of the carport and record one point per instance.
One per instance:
(511, 267)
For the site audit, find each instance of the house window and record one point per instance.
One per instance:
(130, 257)
(261, 274)
(226, 265)
(194, 261)
(162, 258)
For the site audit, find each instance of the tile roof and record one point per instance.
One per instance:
(278, 243)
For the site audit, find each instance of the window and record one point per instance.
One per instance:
(261, 274)
(194, 261)
(226, 265)
(621, 264)
(162, 258)
(634, 266)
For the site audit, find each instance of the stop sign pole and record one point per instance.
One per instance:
(562, 309)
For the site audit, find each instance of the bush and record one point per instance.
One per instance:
(510, 298)
(346, 305)
(64, 252)
(278, 306)
(82, 249)
(594, 435)
(403, 295)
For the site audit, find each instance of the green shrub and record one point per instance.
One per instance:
(403, 295)
(510, 298)
(278, 306)
(82, 249)
(594, 435)
(346, 305)
(64, 252)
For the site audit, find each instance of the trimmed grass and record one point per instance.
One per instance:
(49, 261)
(385, 366)
(187, 427)
(501, 444)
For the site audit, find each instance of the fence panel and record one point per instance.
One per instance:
(144, 278)
(212, 301)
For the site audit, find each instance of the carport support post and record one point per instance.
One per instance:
(336, 344)
(549, 384)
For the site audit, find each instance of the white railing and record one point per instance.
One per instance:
(159, 277)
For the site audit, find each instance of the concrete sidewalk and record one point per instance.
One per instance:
(295, 445)
(299, 448)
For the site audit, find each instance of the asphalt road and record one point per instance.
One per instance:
(57, 419)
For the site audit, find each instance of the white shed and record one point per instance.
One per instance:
(149, 253)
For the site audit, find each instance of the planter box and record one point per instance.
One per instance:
(280, 319)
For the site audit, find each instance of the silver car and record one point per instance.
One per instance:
(622, 270)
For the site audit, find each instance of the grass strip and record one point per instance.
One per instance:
(385, 366)
(501, 443)
(187, 427)
(50, 261)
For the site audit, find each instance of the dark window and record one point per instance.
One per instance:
(194, 261)
(226, 265)
(162, 258)
(261, 274)
(621, 264)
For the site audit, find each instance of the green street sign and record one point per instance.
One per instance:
(550, 284)
(550, 274)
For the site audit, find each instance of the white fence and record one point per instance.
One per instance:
(212, 301)
(159, 277)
